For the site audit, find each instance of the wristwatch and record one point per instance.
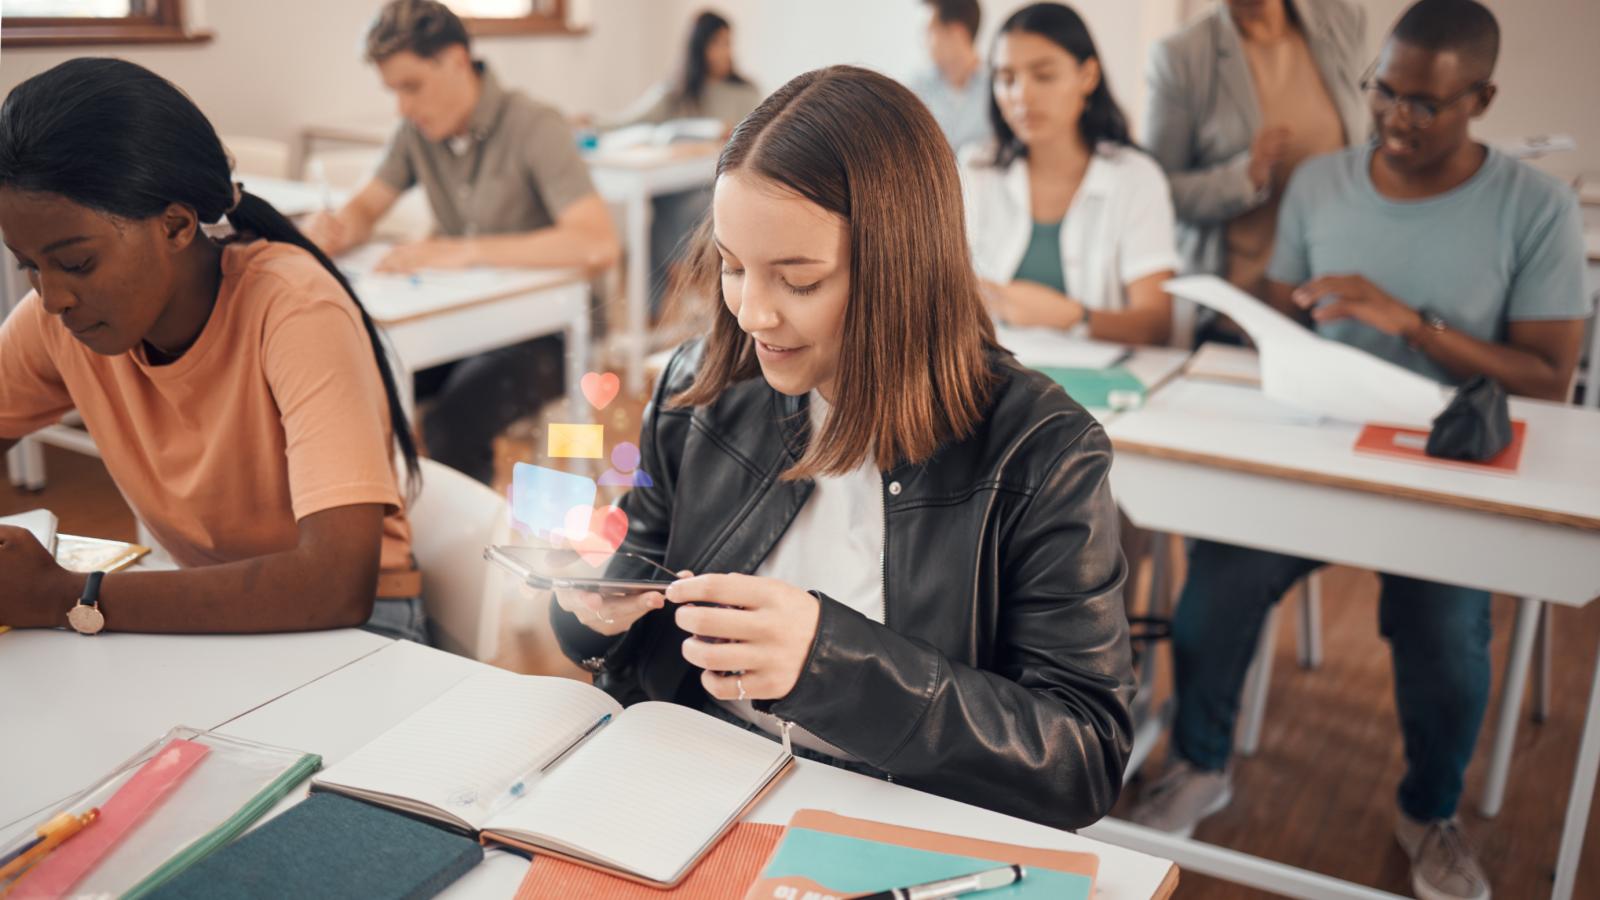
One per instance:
(1432, 324)
(85, 617)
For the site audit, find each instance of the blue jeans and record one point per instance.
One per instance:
(1438, 640)
(402, 619)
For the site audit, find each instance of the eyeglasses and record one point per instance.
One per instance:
(1421, 111)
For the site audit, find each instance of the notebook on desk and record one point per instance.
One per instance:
(644, 795)
(824, 854)
(41, 523)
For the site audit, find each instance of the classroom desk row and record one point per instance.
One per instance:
(333, 692)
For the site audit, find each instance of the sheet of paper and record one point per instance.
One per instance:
(1306, 370)
(40, 522)
(1035, 347)
(461, 752)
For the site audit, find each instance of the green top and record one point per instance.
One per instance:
(1041, 263)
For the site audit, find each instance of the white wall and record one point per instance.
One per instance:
(278, 65)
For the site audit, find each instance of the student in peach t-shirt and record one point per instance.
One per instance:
(236, 390)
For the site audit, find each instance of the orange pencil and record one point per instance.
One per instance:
(19, 867)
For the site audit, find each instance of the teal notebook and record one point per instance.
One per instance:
(334, 847)
(832, 855)
(1110, 388)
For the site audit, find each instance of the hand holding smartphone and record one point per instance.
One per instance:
(603, 602)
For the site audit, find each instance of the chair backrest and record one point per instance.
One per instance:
(258, 156)
(452, 520)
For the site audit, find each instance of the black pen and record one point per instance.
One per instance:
(986, 880)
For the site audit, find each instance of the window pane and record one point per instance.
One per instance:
(498, 9)
(69, 8)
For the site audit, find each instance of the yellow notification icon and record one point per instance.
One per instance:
(576, 441)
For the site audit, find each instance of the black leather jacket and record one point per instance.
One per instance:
(1001, 675)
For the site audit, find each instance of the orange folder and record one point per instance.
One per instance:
(1410, 444)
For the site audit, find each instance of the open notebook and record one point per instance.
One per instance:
(505, 756)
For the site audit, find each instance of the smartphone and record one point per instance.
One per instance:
(548, 568)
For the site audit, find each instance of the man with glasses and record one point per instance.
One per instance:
(1442, 255)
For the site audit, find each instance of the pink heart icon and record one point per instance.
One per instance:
(600, 388)
(595, 532)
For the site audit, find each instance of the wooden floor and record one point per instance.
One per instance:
(1319, 794)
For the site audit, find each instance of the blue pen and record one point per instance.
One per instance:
(519, 788)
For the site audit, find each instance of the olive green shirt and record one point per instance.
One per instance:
(515, 170)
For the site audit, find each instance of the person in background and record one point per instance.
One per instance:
(907, 540)
(1442, 255)
(236, 389)
(955, 87)
(1070, 224)
(708, 86)
(507, 188)
(1238, 99)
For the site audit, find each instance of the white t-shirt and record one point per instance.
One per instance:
(835, 546)
(1117, 230)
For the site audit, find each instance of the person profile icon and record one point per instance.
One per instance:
(625, 471)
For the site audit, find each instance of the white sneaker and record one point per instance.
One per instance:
(1443, 864)
(1182, 797)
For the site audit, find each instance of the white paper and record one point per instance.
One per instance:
(1303, 369)
(40, 522)
(390, 296)
(1051, 347)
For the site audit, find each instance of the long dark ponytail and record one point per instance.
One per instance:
(1102, 119)
(115, 137)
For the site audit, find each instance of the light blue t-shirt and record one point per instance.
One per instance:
(962, 114)
(1505, 246)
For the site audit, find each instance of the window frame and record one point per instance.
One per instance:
(162, 23)
(549, 21)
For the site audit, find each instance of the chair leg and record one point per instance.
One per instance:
(1310, 631)
(1253, 708)
(1515, 682)
(1541, 663)
(25, 465)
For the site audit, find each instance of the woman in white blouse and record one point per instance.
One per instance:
(1071, 226)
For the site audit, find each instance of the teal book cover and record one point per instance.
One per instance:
(333, 847)
(1112, 388)
(824, 856)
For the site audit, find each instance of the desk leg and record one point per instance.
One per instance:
(1583, 778)
(25, 465)
(577, 338)
(638, 293)
(1515, 682)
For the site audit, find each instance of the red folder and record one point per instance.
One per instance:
(1409, 443)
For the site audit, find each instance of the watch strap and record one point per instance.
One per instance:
(91, 590)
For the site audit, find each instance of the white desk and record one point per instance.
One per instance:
(632, 178)
(293, 198)
(76, 707)
(1223, 462)
(441, 317)
(349, 708)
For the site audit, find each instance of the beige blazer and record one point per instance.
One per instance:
(1203, 114)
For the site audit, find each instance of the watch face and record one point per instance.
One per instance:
(86, 619)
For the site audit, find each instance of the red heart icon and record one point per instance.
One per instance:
(601, 389)
(607, 527)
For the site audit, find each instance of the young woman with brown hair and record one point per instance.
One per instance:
(914, 545)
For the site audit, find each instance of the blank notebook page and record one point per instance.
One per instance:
(462, 751)
(650, 790)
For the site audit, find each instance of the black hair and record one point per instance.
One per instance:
(1464, 27)
(960, 12)
(1102, 119)
(692, 86)
(121, 140)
